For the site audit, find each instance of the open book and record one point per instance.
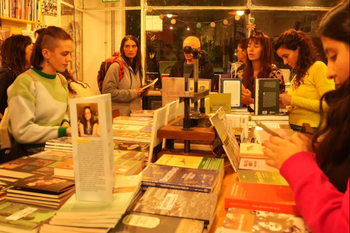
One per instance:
(148, 85)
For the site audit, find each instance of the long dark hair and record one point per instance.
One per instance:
(83, 119)
(70, 79)
(266, 58)
(13, 52)
(136, 64)
(292, 40)
(334, 149)
(48, 39)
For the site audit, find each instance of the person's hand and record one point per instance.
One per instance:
(139, 92)
(145, 92)
(246, 97)
(278, 150)
(69, 131)
(285, 99)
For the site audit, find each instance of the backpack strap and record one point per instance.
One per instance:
(62, 82)
(31, 77)
(121, 69)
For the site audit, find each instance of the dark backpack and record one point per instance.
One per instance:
(103, 70)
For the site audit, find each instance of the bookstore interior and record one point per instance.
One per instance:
(184, 140)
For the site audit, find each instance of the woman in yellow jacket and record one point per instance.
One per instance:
(309, 82)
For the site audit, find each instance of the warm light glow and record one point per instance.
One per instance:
(169, 15)
(171, 27)
(188, 28)
(240, 13)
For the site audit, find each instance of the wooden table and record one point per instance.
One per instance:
(230, 175)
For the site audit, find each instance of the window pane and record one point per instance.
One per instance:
(132, 2)
(315, 3)
(133, 23)
(276, 22)
(196, 2)
(219, 42)
(75, 30)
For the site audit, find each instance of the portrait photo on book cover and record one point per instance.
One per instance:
(87, 115)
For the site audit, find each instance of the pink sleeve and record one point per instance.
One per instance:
(323, 207)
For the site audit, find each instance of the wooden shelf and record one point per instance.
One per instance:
(18, 20)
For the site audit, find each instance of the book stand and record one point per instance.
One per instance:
(194, 126)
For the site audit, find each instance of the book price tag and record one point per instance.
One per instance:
(20, 214)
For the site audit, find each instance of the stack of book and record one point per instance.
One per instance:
(61, 144)
(46, 191)
(18, 218)
(88, 216)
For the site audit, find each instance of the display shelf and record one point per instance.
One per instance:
(7, 19)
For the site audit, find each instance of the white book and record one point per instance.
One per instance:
(94, 167)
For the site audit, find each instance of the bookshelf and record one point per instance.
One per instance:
(18, 21)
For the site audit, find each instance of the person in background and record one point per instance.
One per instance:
(309, 82)
(241, 52)
(169, 54)
(184, 68)
(76, 88)
(259, 65)
(16, 51)
(38, 98)
(317, 170)
(126, 92)
(88, 125)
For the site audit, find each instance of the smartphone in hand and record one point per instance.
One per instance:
(264, 127)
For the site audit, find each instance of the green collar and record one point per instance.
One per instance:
(49, 76)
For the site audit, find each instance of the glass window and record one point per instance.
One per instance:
(273, 23)
(133, 23)
(315, 3)
(73, 25)
(132, 2)
(196, 2)
(218, 31)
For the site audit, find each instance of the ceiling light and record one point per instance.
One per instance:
(240, 13)
(169, 15)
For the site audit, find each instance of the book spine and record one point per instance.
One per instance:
(174, 186)
(254, 205)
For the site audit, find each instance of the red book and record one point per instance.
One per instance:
(273, 198)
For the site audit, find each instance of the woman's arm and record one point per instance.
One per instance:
(96, 129)
(81, 130)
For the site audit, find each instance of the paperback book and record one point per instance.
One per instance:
(178, 203)
(198, 180)
(266, 99)
(273, 198)
(244, 220)
(150, 223)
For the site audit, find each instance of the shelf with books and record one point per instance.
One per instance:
(14, 20)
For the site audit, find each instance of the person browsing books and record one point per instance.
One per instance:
(309, 82)
(184, 67)
(259, 65)
(241, 52)
(126, 92)
(318, 169)
(15, 52)
(38, 98)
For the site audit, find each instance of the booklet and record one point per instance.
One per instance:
(92, 139)
(148, 85)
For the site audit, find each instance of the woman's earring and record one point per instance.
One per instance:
(47, 61)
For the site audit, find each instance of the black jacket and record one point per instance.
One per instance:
(6, 79)
(205, 71)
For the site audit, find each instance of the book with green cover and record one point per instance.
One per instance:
(207, 163)
(262, 177)
(23, 215)
(218, 100)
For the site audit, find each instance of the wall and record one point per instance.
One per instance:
(97, 38)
